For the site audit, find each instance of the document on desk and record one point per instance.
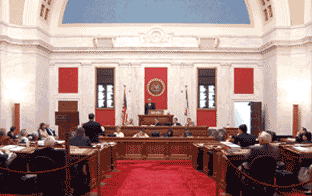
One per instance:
(8, 147)
(302, 148)
(17, 148)
(79, 150)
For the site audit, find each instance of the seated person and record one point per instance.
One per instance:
(42, 133)
(118, 132)
(190, 123)
(169, 133)
(130, 123)
(8, 156)
(141, 134)
(80, 139)
(187, 132)
(49, 130)
(58, 157)
(24, 136)
(157, 123)
(306, 138)
(12, 133)
(264, 149)
(4, 139)
(300, 134)
(175, 122)
(243, 138)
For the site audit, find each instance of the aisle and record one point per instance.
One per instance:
(158, 178)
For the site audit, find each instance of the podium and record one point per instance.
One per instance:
(150, 119)
(67, 122)
(156, 112)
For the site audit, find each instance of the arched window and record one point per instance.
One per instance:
(45, 9)
(266, 8)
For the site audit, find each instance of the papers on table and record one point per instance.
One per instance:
(13, 148)
(60, 141)
(300, 148)
(18, 148)
(232, 147)
(8, 147)
(40, 142)
(291, 139)
(111, 143)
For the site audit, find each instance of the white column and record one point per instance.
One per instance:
(88, 92)
(224, 109)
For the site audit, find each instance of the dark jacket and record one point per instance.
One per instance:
(265, 149)
(50, 131)
(93, 130)
(244, 139)
(80, 140)
(58, 156)
(11, 135)
(147, 108)
(299, 138)
(178, 124)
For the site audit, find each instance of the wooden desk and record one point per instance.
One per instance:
(150, 119)
(156, 148)
(129, 131)
(107, 160)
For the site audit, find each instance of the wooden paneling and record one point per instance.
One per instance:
(68, 106)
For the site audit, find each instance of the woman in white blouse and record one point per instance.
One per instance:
(118, 132)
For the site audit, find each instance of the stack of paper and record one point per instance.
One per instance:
(8, 147)
(300, 148)
(60, 141)
(17, 148)
(232, 147)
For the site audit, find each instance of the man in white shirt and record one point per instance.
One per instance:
(118, 132)
(141, 134)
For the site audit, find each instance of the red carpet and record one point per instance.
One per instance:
(161, 178)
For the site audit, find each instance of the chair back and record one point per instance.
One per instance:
(263, 169)
(155, 134)
(42, 163)
(111, 135)
(220, 135)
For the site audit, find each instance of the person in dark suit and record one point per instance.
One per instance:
(93, 129)
(175, 122)
(49, 130)
(149, 106)
(300, 134)
(243, 138)
(80, 139)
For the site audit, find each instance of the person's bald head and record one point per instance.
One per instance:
(49, 141)
(264, 138)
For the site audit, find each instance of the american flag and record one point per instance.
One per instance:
(187, 106)
(124, 109)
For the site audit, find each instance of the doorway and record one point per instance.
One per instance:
(242, 111)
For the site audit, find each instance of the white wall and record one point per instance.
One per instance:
(242, 114)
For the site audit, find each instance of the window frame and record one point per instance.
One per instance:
(96, 88)
(216, 93)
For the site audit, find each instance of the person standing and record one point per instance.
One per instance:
(93, 129)
(42, 133)
(149, 106)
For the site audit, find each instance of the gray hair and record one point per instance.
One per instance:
(2, 132)
(49, 141)
(23, 132)
(265, 138)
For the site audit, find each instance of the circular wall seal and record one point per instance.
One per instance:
(156, 87)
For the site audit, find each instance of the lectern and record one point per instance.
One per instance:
(67, 122)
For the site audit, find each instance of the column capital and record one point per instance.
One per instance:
(86, 64)
(260, 64)
(187, 64)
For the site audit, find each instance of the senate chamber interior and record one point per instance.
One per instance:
(192, 98)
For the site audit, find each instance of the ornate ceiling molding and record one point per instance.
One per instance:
(155, 36)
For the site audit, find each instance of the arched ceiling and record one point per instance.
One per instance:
(158, 11)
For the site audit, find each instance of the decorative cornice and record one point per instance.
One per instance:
(103, 42)
(208, 43)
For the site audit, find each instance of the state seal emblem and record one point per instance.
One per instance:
(156, 87)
